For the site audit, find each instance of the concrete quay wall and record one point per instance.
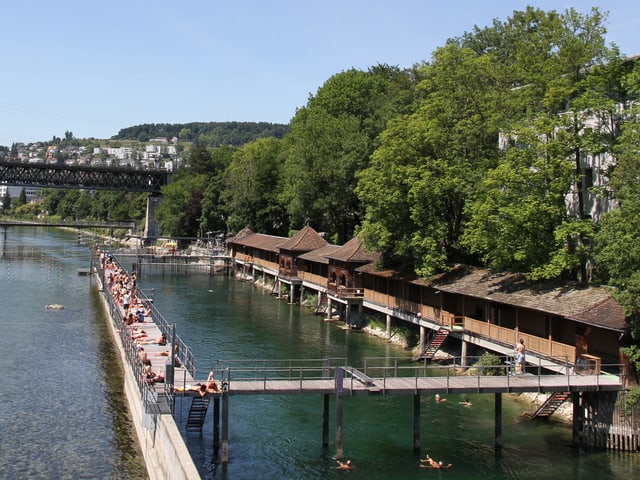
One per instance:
(165, 453)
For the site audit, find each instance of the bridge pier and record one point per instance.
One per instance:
(325, 420)
(498, 420)
(416, 423)
(151, 228)
(216, 426)
(224, 454)
(339, 413)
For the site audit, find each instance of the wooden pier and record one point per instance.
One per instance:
(330, 377)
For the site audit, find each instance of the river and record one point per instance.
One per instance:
(78, 429)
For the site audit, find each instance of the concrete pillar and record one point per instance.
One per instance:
(423, 339)
(388, 326)
(325, 420)
(216, 426)
(328, 308)
(339, 413)
(463, 354)
(498, 420)
(224, 454)
(151, 227)
(578, 419)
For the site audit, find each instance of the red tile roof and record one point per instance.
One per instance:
(269, 243)
(354, 251)
(305, 240)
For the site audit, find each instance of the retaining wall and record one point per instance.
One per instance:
(163, 448)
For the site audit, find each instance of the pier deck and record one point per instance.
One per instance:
(411, 385)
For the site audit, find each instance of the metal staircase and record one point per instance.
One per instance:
(435, 344)
(197, 413)
(551, 405)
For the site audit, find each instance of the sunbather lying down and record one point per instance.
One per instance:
(202, 388)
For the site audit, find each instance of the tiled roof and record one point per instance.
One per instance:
(354, 251)
(305, 240)
(260, 241)
(319, 255)
(589, 305)
(241, 234)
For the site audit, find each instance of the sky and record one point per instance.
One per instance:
(95, 67)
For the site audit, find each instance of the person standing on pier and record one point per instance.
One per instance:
(520, 357)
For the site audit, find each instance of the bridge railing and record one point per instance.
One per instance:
(265, 371)
(382, 368)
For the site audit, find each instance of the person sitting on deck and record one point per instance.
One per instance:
(149, 375)
(176, 359)
(142, 354)
(161, 340)
(344, 466)
(433, 464)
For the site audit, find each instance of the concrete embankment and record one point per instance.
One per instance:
(164, 450)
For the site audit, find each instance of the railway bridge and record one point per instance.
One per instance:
(88, 177)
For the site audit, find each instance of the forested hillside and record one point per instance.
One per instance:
(214, 134)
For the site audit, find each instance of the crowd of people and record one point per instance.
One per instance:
(122, 287)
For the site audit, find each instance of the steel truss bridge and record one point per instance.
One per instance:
(83, 177)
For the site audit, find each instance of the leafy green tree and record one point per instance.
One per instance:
(83, 205)
(67, 206)
(429, 163)
(332, 138)
(21, 200)
(213, 216)
(180, 210)
(201, 160)
(6, 201)
(564, 110)
(253, 185)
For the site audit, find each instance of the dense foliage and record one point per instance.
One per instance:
(214, 134)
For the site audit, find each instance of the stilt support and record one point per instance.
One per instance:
(224, 454)
(498, 419)
(416, 423)
(325, 420)
(339, 413)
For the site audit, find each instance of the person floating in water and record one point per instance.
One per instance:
(344, 466)
(466, 403)
(439, 399)
(431, 463)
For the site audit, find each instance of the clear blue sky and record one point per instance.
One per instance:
(94, 67)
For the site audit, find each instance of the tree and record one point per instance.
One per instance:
(6, 201)
(253, 186)
(21, 200)
(331, 139)
(563, 110)
(180, 210)
(213, 216)
(428, 163)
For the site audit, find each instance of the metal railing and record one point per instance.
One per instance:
(378, 371)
